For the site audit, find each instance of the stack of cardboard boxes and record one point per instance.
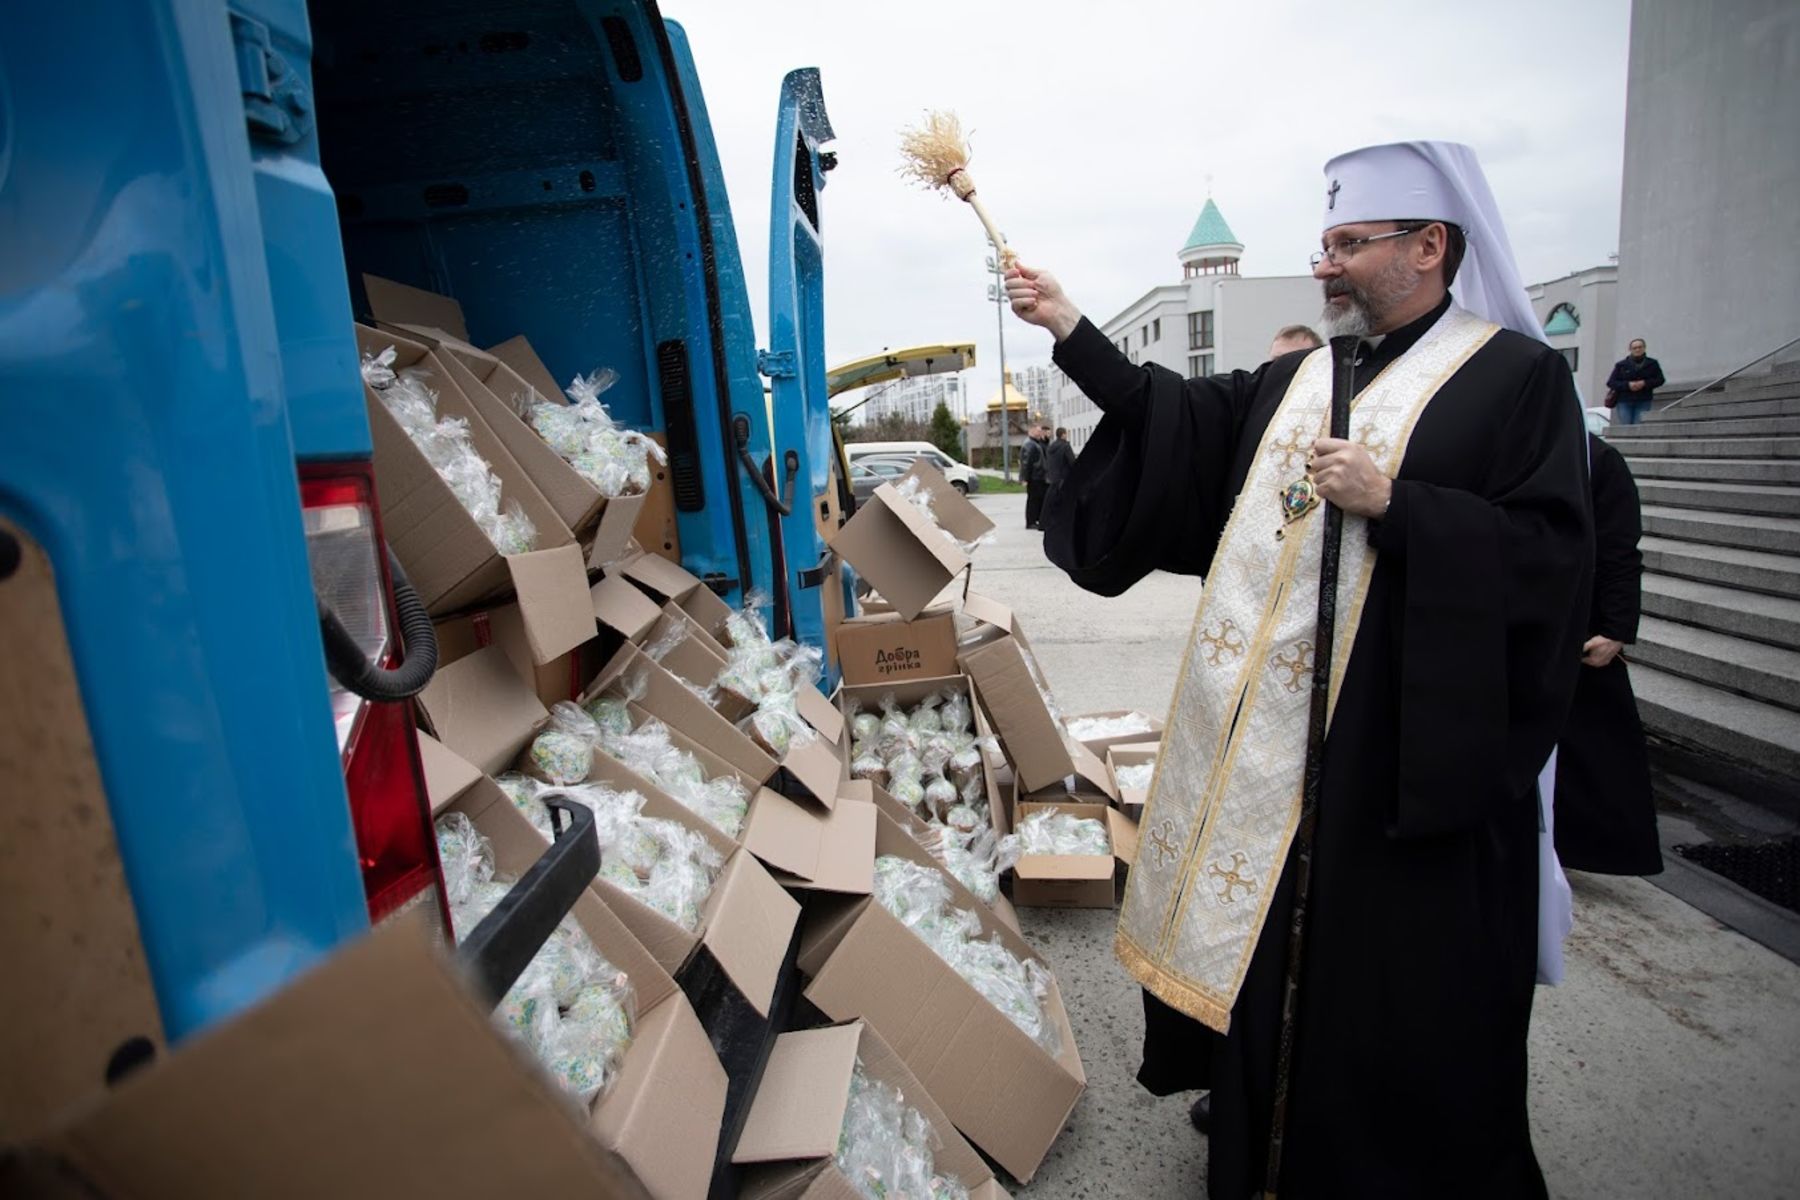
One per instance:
(790, 935)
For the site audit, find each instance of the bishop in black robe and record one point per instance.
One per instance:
(1420, 953)
(1605, 813)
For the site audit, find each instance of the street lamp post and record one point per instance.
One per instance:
(997, 293)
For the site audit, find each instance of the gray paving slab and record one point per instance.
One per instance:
(1667, 1065)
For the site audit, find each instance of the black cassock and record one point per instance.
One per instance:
(1420, 956)
(1605, 814)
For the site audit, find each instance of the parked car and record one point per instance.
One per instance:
(961, 477)
(871, 473)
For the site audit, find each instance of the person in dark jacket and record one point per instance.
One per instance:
(1633, 383)
(1034, 473)
(1059, 459)
(1605, 816)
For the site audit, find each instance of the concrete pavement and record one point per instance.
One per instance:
(1667, 1065)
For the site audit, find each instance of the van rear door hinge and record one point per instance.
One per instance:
(776, 364)
(276, 103)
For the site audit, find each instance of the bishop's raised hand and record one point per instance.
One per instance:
(1037, 299)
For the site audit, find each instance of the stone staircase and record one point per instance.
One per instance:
(1717, 663)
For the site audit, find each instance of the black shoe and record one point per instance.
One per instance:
(1201, 1113)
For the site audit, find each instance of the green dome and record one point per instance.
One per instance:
(1210, 229)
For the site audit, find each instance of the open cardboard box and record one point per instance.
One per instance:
(673, 584)
(666, 1106)
(495, 389)
(1100, 745)
(449, 560)
(1004, 1091)
(791, 1134)
(1132, 800)
(559, 679)
(906, 555)
(1073, 880)
(999, 659)
(885, 648)
(811, 764)
(372, 1076)
(868, 697)
(483, 713)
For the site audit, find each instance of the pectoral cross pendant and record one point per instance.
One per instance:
(1297, 499)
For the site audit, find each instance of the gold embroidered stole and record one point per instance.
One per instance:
(1225, 799)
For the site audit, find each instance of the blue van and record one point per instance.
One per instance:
(190, 194)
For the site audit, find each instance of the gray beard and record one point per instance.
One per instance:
(1352, 320)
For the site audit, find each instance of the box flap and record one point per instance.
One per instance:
(447, 774)
(400, 304)
(798, 1109)
(1090, 769)
(751, 923)
(783, 834)
(846, 852)
(665, 1112)
(985, 611)
(518, 354)
(1032, 738)
(821, 714)
(612, 537)
(952, 1156)
(1124, 834)
(1065, 866)
(658, 576)
(815, 764)
(280, 1102)
(554, 601)
(480, 708)
(623, 608)
(954, 513)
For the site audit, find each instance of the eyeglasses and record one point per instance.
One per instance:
(1340, 253)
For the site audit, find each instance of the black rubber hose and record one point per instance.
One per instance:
(350, 666)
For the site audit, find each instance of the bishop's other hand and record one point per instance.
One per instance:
(1037, 299)
(1346, 475)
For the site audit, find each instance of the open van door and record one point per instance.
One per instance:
(795, 358)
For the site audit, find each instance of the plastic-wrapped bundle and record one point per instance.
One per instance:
(571, 1007)
(723, 802)
(955, 714)
(864, 726)
(1137, 776)
(777, 725)
(886, 1147)
(918, 897)
(616, 460)
(1088, 729)
(1052, 831)
(564, 752)
(865, 763)
(611, 715)
(445, 445)
(662, 864)
(916, 494)
(896, 733)
(940, 796)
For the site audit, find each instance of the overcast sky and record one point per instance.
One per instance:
(1096, 128)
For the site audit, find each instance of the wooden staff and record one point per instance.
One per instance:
(1343, 388)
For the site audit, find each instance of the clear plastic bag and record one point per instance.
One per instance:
(564, 752)
(1052, 831)
(574, 1010)
(916, 494)
(1088, 729)
(864, 726)
(1137, 776)
(614, 459)
(723, 802)
(378, 369)
(662, 864)
(886, 1148)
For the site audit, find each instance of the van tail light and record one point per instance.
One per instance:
(389, 808)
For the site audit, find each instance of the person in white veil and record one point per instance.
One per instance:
(1463, 587)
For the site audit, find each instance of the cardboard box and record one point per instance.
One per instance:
(669, 581)
(484, 714)
(496, 392)
(449, 560)
(1004, 1091)
(798, 1113)
(1132, 800)
(559, 679)
(662, 1115)
(882, 649)
(999, 659)
(1071, 880)
(812, 765)
(1100, 745)
(374, 1075)
(907, 556)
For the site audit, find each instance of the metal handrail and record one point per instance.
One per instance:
(1737, 371)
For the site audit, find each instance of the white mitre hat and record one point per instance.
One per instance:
(1436, 181)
